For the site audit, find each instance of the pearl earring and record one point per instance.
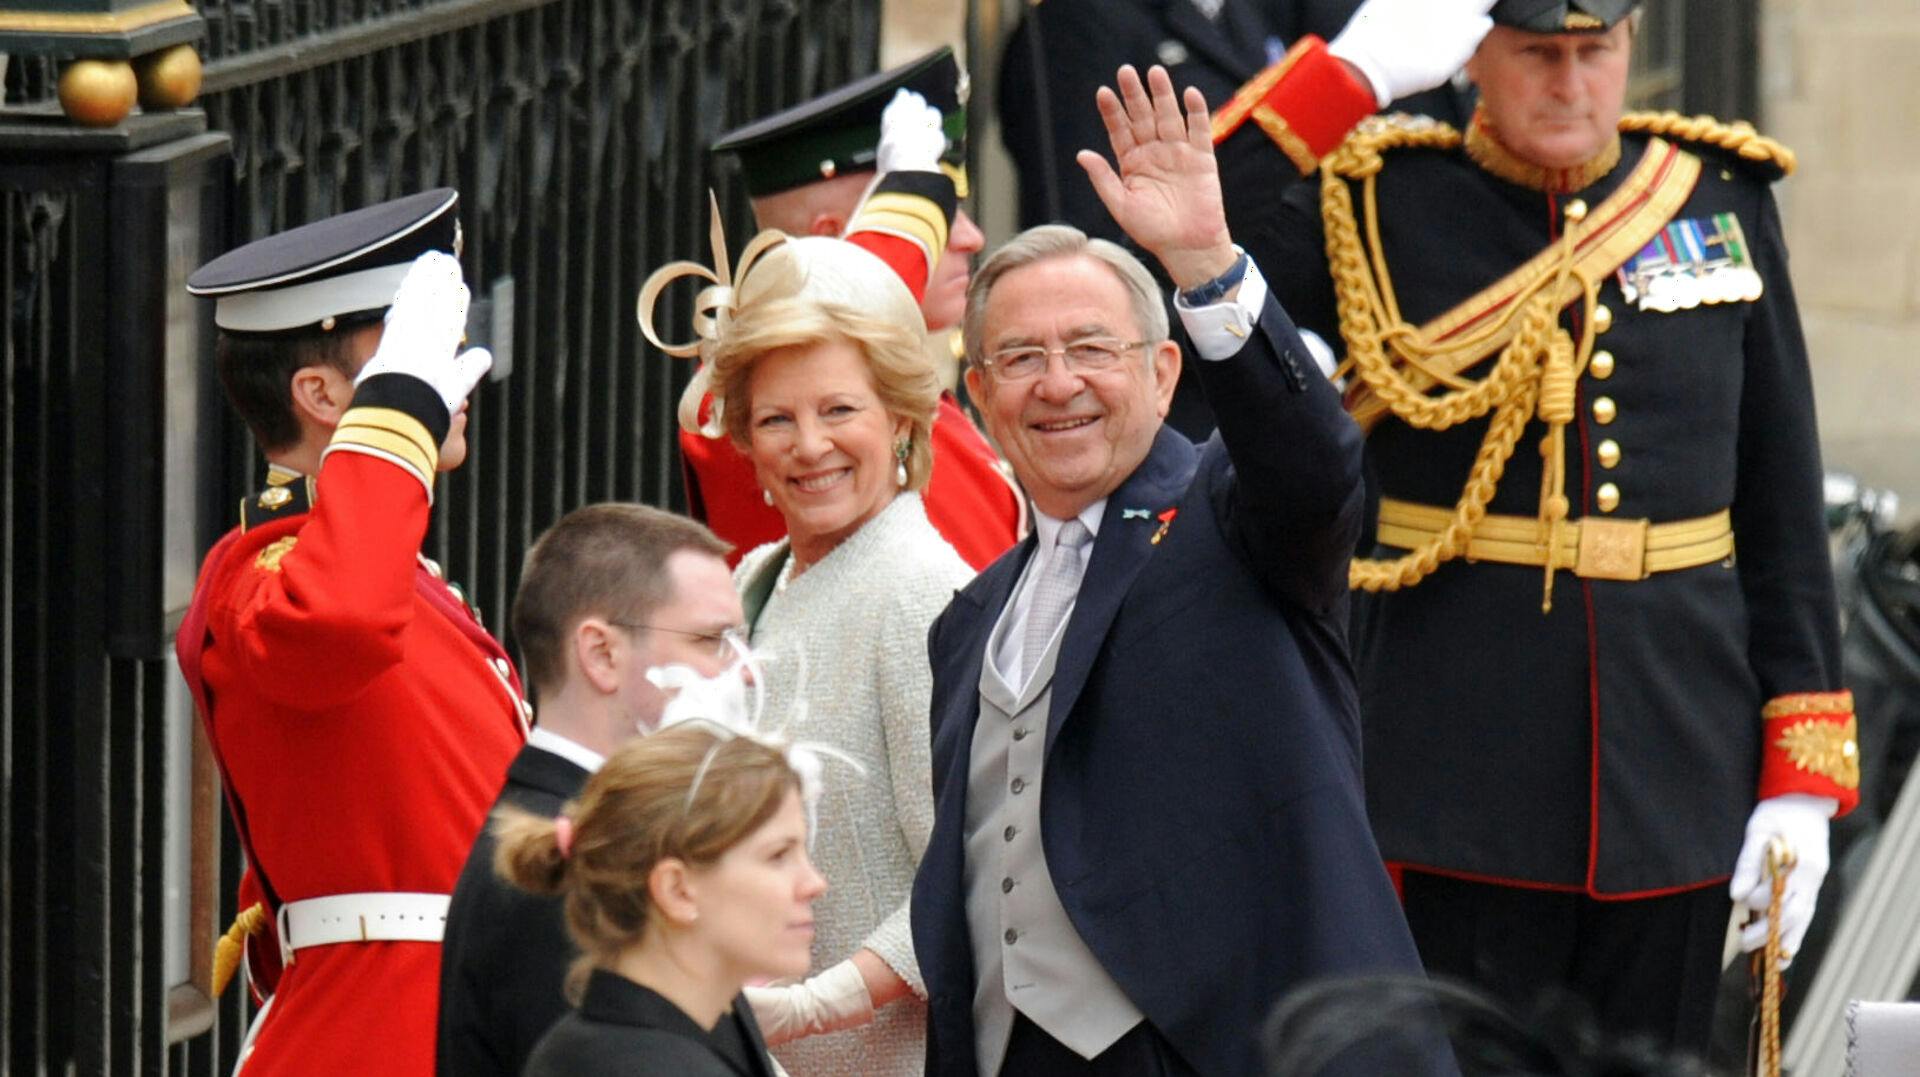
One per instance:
(900, 452)
(767, 496)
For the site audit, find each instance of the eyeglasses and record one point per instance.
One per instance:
(726, 643)
(1088, 355)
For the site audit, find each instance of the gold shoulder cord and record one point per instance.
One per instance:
(1738, 138)
(1535, 375)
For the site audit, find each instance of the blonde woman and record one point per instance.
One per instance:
(818, 373)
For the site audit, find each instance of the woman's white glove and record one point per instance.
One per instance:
(911, 138)
(1406, 46)
(1800, 820)
(829, 1002)
(425, 325)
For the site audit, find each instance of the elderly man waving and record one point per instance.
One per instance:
(1145, 732)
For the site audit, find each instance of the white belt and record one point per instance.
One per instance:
(361, 918)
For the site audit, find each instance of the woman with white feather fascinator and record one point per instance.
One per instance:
(684, 873)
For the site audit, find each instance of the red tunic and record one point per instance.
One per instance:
(365, 728)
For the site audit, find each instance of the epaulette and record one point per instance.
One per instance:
(286, 495)
(1765, 158)
(1359, 156)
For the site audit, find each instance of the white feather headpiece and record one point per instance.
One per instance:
(733, 704)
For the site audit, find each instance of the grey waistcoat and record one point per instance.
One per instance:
(1026, 953)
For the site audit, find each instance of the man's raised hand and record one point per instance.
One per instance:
(1166, 194)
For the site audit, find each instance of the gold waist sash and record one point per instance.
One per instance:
(1595, 548)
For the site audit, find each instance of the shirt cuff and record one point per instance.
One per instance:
(1220, 330)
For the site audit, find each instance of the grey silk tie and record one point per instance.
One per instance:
(1054, 594)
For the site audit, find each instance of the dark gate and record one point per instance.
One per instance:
(575, 130)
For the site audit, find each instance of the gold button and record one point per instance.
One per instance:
(1601, 365)
(1576, 210)
(1602, 318)
(1604, 410)
(1607, 497)
(1609, 453)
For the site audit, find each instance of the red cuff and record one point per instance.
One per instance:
(1306, 103)
(1811, 746)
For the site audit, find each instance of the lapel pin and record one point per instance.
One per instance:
(1166, 521)
(1135, 514)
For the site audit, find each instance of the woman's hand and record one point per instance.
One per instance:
(844, 996)
(884, 985)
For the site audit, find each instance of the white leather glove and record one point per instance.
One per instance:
(1405, 46)
(829, 1002)
(425, 324)
(911, 139)
(1800, 819)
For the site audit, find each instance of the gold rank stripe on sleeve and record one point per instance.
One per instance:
(1285, 137)
(917, 220)
(1831, 704)
(1306, 103)
(1239, 108)
(391, 435)
(1658, 186)
(1811, 746)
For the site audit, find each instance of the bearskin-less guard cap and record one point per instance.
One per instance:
(839, 132)
(346, 264)
(1562, 16)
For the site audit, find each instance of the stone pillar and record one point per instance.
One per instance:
(1838, 84)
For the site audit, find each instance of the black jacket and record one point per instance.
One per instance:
(625, 1030)
(506, 952)
(1201, 810)
(1612, 746)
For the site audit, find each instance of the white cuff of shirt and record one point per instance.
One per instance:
(1220, 330)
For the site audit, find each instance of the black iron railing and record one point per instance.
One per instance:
(576, 132)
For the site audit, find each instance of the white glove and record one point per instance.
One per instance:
(425, 324)
(829, 1002)
(1405, 46)
(1800, 820)
(911, 139)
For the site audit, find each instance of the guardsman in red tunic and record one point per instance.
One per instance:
(807, 170)
(1597, 646)
(361, 716)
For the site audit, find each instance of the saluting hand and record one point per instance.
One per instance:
(1166, 194)
(424, 328)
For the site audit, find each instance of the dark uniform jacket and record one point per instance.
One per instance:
(506, 953)
(1201, 812)
(1613, 746)
(625, 1030)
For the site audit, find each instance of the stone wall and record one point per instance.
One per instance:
(1838, 83)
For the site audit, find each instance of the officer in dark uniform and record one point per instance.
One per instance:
(1597, 646)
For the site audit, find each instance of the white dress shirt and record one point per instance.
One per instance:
(571, 750)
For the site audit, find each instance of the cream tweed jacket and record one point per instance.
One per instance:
(846, 647)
